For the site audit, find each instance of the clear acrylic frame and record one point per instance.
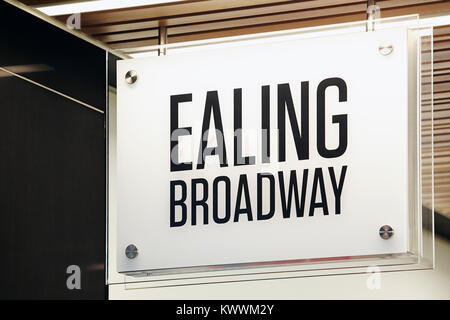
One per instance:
(420, 253)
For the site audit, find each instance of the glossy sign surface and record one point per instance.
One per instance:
(260, 153)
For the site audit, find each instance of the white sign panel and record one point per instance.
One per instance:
(260, 153)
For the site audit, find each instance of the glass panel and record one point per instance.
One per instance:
(427, 144)
(417, 249)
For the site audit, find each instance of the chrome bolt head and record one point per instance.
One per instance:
(385, 49)
(131, 77)
(131, 251)
(386, 232)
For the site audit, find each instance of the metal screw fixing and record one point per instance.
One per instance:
(386, 232)
(131, 251)
(131, 77)
(385, 48)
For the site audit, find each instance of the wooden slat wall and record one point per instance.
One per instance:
(441, 101)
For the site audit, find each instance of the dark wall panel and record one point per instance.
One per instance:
(52, 186)
(52, 163)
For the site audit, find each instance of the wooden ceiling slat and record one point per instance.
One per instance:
(439, 151)
(438, 182)
(443, 37)
(436, 78)
(442, 106)
(438, 56)
(439, 107)
(441, 45)
(442, 78)
(276, 18)
(441, 30)
(437, 87)
(267, 27)
(387, 4)
(435, 72)
(440, 65)
(442, 176)
(152, 33)
(161, 11)
(436, 96)
(133, 43)
(443, 158)
(422, 9)
(436, 106)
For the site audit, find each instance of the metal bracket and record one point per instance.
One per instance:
(373, 13)
(162, 40)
